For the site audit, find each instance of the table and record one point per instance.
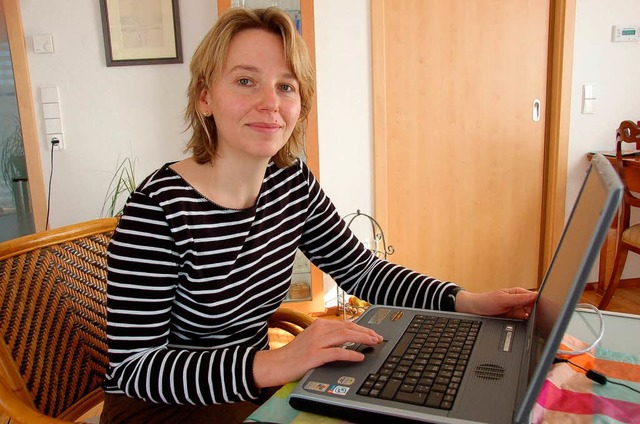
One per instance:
(617, 329)
(567, 396)
(584, 325)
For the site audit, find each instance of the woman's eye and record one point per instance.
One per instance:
(244, 81)
(288, 88)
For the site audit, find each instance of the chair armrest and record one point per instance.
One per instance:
(10, 376)
(290, 320)
(20, 411)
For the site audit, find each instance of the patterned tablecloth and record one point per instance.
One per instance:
(567, 395)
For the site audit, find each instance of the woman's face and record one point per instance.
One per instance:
(256, 100)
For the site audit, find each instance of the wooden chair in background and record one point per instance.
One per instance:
(53, 350)
(628, 235)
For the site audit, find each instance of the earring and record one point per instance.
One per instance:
(206, 114)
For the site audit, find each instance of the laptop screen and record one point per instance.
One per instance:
(566, 276)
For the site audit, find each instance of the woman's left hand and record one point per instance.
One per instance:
(514, 302)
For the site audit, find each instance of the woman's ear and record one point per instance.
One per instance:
(203, 102)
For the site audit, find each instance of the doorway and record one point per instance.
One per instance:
(22, 195)
(16, 212)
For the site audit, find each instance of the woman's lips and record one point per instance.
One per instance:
(265, 127)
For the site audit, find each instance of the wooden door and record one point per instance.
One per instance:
(459, 159)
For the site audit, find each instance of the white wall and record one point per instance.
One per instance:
(343, 57)
(109, 113)
(615, 70)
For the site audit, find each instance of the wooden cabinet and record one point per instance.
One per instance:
(307, 292)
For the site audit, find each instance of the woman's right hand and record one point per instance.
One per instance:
(318, 344)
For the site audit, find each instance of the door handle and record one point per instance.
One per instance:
(536, 110)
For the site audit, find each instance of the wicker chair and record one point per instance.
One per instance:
(53, 351)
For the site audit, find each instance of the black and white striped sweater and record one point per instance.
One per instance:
(191, 284)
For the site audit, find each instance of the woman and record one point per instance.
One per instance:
(203, 253)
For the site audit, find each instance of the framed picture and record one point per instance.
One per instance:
(141, 32)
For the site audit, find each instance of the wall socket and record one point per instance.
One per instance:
(60, 138)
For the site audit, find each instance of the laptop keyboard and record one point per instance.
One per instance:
(428, 363)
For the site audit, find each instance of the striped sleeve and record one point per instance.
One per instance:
(143, 271)
(332, 247)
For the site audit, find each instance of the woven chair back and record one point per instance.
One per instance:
(53, 313)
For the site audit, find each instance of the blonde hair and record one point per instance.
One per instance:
(206, 67)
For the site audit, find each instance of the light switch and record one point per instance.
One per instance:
(49, 94)
(52, 116)
(53, 126)
(588, 106)
(43, 44)
(51, 110)
(588, 91)
(588, 98)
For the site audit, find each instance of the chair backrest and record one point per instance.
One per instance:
(627, 132)
(53, 351)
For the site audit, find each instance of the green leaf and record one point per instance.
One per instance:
(122, 184)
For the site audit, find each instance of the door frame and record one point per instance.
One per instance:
(26, 110)
(561, 40)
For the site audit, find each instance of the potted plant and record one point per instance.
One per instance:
(13, 165)
(120, 187)
(12, 161)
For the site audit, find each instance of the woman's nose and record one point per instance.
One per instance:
(268, 99)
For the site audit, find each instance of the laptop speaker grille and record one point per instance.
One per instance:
(489, 371)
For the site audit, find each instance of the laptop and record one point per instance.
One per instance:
(447, 367)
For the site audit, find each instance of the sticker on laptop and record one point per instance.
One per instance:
(316, 386)
(338, 390)
(378, 316)
(396, 316)
(347, 381)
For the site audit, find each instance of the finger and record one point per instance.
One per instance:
(333, 354)
(351, 329)
(518, 313)
(519, 299)
(354, 336)
(342, 354)
(336, 333)
(375, 337)
(519, 290)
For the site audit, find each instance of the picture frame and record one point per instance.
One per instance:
(141, 32)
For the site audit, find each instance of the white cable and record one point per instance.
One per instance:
(597, 340)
